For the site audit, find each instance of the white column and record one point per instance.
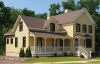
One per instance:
(45, 46)
(54, 44)
(34, 46)
(63, 45)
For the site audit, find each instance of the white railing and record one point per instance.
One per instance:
(49, 49)
(85, 52)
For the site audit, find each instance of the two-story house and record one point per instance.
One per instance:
(71, 32)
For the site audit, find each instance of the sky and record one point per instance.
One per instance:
(39, 6)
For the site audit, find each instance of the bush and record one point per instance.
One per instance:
(28, 52)
(55, 54)
(21, 54)
(65, 53)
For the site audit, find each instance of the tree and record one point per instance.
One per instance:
(54, 9)
(27, 12)
(22, 54)
(68, 5)
(44, 15)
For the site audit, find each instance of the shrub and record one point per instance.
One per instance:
(28, 52)
(65, 53)
(21, 54)
(55, 54)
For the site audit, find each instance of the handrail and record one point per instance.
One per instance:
(86, 52)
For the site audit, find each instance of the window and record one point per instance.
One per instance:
(7, 41)
(52, 27)
(16, 42)
(88, 43)
(84, 28)
(90, 29)
(20, 26)
(54, 42)
(39, 42)
(24, 41)
(77, 27)
(11, 40)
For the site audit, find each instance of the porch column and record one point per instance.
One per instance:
(45, 46)
(54, 44)
(34, 45)
(63, 45)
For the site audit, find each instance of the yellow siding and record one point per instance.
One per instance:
(56, 26)
(31, 41)
(83, 19)
(19, 35)
(69, 29)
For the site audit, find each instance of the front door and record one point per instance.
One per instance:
(61, 45)
(76, 45)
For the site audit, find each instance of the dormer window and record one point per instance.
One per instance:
(20, 26)
(52, 27)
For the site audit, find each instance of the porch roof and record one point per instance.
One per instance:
(80, 36)
(50, 34)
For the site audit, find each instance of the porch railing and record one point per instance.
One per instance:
(85, 52)
(49, 49)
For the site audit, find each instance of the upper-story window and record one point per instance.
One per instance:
(90, 29)
(11, 40)
(77, 27)
(84, 28)
(24, 41)
(52, 27)
(20, 26)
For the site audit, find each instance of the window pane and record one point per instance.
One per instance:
(24, 41)
(16, 42)
(77, 27)
(39, 41)
(84, 28)
(7, 41)
(52, 27)
(88, 43)
(90, 29)
(20, 26)
(11, 40)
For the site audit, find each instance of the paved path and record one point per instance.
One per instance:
(11, 62)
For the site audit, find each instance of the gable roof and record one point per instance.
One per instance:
(33, 22)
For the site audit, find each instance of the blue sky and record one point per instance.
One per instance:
(39, 6)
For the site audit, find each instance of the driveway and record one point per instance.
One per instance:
(11, 62)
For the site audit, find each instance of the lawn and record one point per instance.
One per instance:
(54, 59)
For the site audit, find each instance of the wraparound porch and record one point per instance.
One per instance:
(49, 45)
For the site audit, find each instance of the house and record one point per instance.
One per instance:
(71, 32)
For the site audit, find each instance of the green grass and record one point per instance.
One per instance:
(54, 59)
(95, 62)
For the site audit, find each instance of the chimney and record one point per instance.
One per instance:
(48, 17)
(67, 10)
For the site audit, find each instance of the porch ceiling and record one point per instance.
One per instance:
(50, 34)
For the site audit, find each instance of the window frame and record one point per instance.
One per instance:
(52, 27)
(20, 26)
(78, 25)
(24, 42)
(39, 41)
(90, 29)
(16, 42)
(11, 41)
(7, 40)
(84, 28)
